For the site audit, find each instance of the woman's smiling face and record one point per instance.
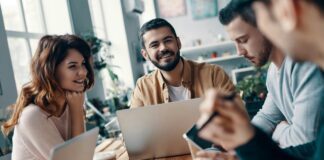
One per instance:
(71, 73)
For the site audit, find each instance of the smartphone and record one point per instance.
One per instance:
(192, 136)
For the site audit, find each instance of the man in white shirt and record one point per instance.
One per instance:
(175, 78)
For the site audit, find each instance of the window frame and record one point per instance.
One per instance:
(27, 35)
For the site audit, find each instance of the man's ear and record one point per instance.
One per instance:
(288, 13)
(179, 43)
(145, 54)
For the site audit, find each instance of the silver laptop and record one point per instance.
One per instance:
(156, 131)
(81, 147)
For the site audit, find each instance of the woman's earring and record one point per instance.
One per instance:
(86, 82)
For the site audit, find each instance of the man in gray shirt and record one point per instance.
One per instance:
(291, 112)
(294, 26)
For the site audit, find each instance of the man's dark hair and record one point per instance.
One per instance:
(319, 4)
(154, 24)
(232, 11)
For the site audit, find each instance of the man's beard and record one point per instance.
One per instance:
(264, 55)
(170, 65)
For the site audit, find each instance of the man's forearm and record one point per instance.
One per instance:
(288, 135)
(268, 117)
(264, 123)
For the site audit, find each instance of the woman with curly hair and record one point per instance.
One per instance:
(49, 109)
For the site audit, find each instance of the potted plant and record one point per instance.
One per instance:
(114, 89)
(254, 90)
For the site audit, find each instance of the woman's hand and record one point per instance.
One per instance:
(75, 100)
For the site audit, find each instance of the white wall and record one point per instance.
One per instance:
(206, 29)
(189, 29)
(9, 91)
(122, 29)
(149, 11)
(132, 27)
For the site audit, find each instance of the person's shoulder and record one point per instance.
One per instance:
(203, 65)
(148, 78)
(272, 70)
(302, 75)
(301, 69)
(32, 114)
(272, 73)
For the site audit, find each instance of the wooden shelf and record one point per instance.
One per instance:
(247, 69)
(199, 50)
(219, 59)
(202, 47)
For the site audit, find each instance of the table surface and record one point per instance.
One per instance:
(121, 153)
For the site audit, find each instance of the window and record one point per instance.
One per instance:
(26, 21)
(98, 18)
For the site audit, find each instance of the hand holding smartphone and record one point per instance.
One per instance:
(193, 137)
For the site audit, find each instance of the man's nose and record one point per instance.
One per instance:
(163, 47)
(240, 51)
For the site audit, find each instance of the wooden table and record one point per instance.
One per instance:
(121, 153)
